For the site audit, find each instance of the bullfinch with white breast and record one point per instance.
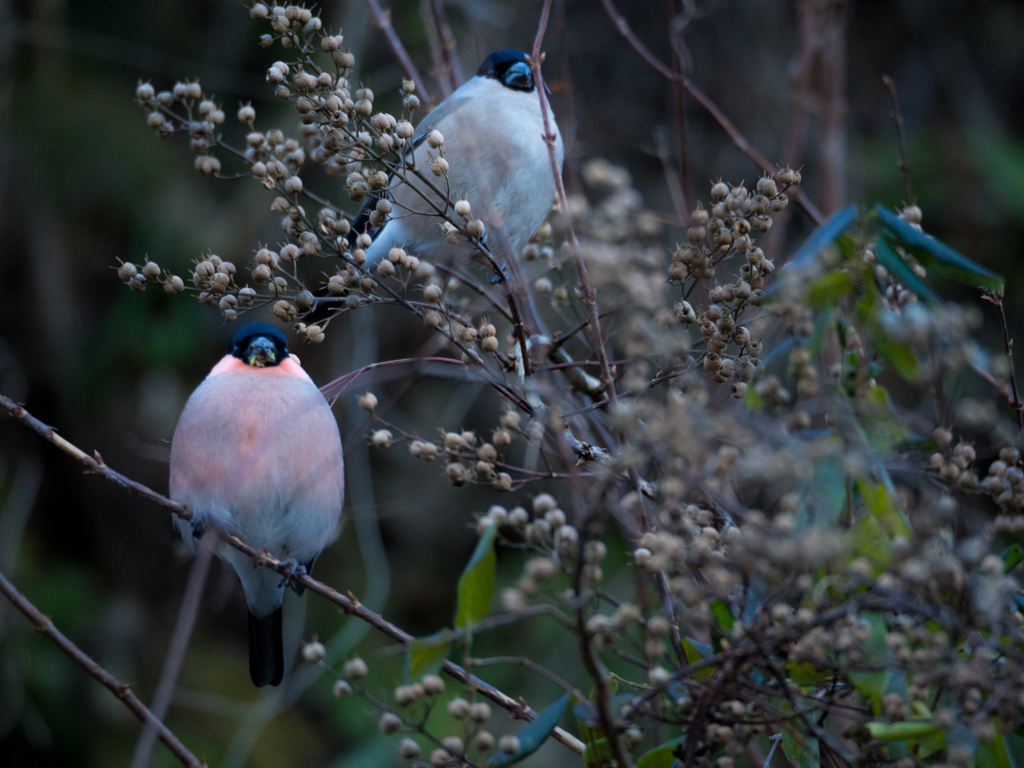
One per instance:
(492, 132)
(257, 453)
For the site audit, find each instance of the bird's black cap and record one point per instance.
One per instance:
(259, 344)
(509, 68)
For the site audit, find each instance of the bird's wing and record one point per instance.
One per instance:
(361, 223)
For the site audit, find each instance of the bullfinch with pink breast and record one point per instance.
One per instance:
(257, 453)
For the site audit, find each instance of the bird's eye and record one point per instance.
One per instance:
(518, 76)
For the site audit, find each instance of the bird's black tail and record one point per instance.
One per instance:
(266, 649)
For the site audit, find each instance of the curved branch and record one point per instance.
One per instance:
(587, 293)
(123, 691)
(383, 19)
(347, 603)
(705, 101)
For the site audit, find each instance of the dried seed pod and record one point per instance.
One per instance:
(439, 167)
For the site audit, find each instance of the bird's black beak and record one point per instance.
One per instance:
(261, 352)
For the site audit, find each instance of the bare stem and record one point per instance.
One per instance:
(587, 293)
(449, 50)
(347, 603)
(176, 652)
(1018, 409)
(383, 19)
(737, 138)
(532, 665)
(440, 69)
(123, 691)
(904, 161)
(595, 668)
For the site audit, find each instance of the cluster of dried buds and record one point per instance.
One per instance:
(729, 230)
(469, 459)
(408, 716)
(340, 131)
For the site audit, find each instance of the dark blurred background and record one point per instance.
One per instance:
(84, 182)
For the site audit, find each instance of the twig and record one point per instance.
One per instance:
(440, 70)
(501, 620)
(448, 47)
(587, 294)
(997, 299)
(532, 665)
(672, 180)
(123, 691)
(775, 742)
(383, 18)
(737, 138)
(176, 652)
(832, 141)
(681, 64)
(334, 388)
(95, 464)
(597, 673)
(904, 161)
(348, 604)
(476, 287)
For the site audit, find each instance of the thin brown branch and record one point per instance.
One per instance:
(904, 161)
(123, 691)
(534, 666)
(672, 179)
(176, 651)
(350, 604)
(94, 463)
(726, 124)
(383, 19)
(809, 50)
(436, 53)
(501, 620)
(595, 668)
(449, 50)
(476, 287)
(1018, 409)
(680, 63)
(347, 603)
(832, 140)
(587, 294)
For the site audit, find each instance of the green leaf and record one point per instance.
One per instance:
(533, 735)
(1011, 556)
(822, 323)
(828, 489)
(995, 753)
(899, 355)
(598, 753)
(831, 286)
(882, 505)
(662, 756)
(805, 673)
(722, 614)
(693, 655)
(899, 269)
(476, 584)
(907, 729)
(874, 684)
(425, 655)
(883, 427)
(753, 401)
(805, 752)
(847, 246)
(937, 257)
